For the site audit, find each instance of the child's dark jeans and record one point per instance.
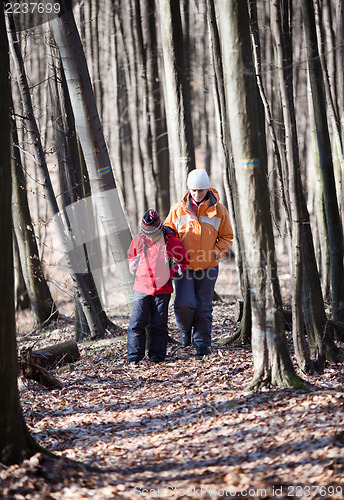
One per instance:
(152, 310)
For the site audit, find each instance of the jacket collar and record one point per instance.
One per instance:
(210, 204)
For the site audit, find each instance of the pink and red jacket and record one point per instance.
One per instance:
(155, 263)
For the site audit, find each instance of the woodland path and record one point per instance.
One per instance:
(185, 428)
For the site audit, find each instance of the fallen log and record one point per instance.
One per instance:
(58, 354)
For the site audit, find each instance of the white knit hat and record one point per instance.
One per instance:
(198, 179)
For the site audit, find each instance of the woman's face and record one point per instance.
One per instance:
(198, 194)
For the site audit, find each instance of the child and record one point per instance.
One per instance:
(154, 256)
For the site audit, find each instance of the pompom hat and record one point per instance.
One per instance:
(198, 179)
(151, 224)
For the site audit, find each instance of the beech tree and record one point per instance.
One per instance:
(65, 236)
(72, 187)
(272, 363)
(177, 97)
(156, 111)
(280, 15)
(334, 226)
(92, 141)
(41, 301)
(229, 175)
(15, 440)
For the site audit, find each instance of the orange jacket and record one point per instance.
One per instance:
(204, 236)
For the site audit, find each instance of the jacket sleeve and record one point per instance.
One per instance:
(133, 258)
(225, 235)
(180, 257)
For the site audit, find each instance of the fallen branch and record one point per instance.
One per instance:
(58, 354)
(31, 368)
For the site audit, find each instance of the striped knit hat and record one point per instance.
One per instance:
(151, 224)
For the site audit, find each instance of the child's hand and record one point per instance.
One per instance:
(176, 271)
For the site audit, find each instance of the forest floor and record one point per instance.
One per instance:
(185, 428)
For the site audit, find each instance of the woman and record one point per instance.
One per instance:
(203, 225)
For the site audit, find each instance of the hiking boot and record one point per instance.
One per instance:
(185, 339)
(155, 359)
(133, 361)
(202, 351)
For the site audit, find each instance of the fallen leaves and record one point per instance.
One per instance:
(182, 429)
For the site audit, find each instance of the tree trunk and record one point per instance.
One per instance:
(121, 144)
(16, 443)
(126, 30)
(340, 82)
(41, 301)
(62, 226)
(22, 300)
(71, 187)
(272, 363)
(331, 205)
(58, 354)
(229, 174)
(282, 37)
(156, 115)
(177, 96)
(93, 144)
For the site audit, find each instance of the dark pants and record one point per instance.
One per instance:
(152, 310)
(193, 304)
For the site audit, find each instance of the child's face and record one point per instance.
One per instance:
(198, 194)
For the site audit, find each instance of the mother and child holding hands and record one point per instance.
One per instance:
(185, 248)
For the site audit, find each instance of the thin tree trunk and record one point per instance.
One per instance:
(340, 82)
(156, 116)
(177, 96)
(120, 144)
(41, 301)
(282, 36)
(229, 174)
(331, 205)
(329, 65)
(126, 30)
(21, 297)
(71, 183)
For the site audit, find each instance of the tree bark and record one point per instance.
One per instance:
(62, 225)
(58, 354)
(230, 182)
(41, 301)
(16, 443)
(177, 96)
(282, 36)
(272, 363)
(72, 189)
(331, 205)
(21, 296)
(160, 155)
